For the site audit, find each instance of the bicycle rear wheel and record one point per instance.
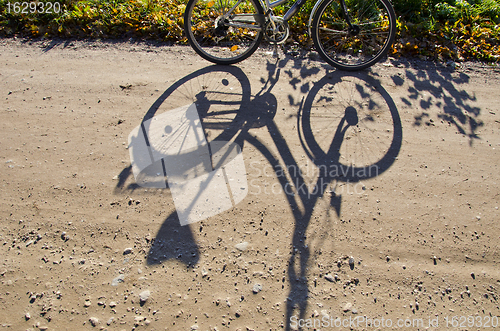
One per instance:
(222, 34)
(358, 45)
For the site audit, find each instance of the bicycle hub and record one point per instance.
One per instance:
(354, 30)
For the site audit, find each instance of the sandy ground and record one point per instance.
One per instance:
(372, 198)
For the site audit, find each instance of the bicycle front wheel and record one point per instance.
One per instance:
(356, 38)
(224, 31)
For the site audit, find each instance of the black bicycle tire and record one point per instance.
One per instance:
(383, 52)
(197, 48)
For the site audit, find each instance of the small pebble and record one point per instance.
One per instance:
(127, 251)
(144, 296)
(257, 288)
(94, 321)
(351, 262)
(330, 278)
(117, 280)
(242, 246)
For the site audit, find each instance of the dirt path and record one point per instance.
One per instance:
(371, 195)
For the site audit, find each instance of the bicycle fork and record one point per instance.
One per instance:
(353, 29)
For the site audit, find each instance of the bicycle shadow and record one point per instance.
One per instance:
(429, 86)
(240, 113)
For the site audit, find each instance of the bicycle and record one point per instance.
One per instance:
(348, 34)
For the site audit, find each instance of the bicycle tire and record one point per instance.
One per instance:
(222, 41)
(350, 49)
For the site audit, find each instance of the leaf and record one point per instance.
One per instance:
(234, 48)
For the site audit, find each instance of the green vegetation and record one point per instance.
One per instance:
(455, 29)
(443, 29)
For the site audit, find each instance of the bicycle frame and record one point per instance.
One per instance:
(295, 7)
(268, 5)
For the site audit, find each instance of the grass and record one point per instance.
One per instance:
(449, 29)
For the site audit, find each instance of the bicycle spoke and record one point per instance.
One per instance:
(334, 31)
(377, 33)
(374, 22)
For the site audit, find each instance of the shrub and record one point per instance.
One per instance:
(432, 28)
